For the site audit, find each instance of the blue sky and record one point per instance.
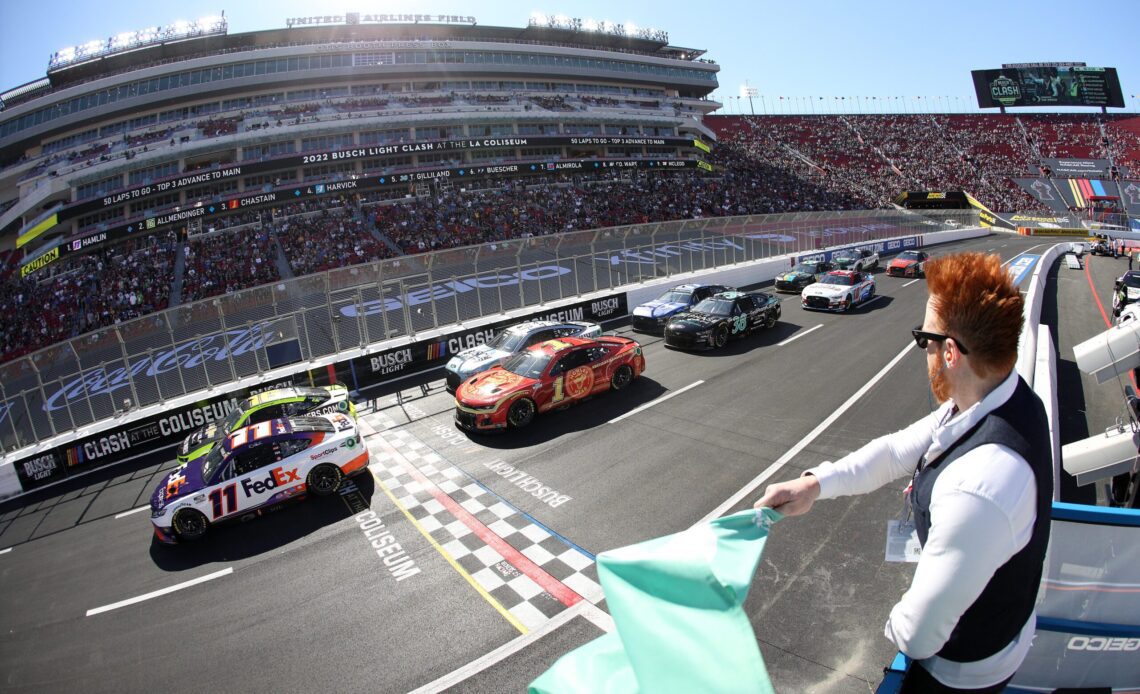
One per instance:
(797, 49)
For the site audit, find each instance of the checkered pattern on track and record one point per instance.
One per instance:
(394, 450)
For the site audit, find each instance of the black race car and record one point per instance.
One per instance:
(712, 322)
(803, 274)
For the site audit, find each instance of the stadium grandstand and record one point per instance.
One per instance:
(137, 180)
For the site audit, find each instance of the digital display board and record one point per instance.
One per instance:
(1048, 86)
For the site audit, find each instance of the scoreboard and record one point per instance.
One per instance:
(1048, 86)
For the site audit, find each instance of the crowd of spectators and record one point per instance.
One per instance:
(226, 262)
(763, 165)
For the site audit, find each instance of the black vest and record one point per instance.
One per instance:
(999, 613)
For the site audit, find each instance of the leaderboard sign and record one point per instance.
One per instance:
(1053, 85)
(199, 178)
(286, 195)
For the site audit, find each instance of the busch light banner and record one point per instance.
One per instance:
(421, 356)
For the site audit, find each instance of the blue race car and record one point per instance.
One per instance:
(652, 316)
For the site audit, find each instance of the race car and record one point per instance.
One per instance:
(711, 323)
(857, 259)
(908, 264)
(1102, 247)
(1125, 291)
(510, 341)
(550, 375)
(253, 469)
(839, 290)
(652, 316)
(803, 274)
(272, 404)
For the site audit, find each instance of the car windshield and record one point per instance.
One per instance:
(1131, 280)
(715, 306)
(808, 268)
(508, 341)
(213, 461)
(842, 256)
(528, 364)
(231, 421)
(674, 296)
(908, 255)
(838, 279)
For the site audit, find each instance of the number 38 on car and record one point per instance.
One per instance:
(254, 468)
(550, 375)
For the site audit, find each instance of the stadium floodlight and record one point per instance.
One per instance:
(130, 40)
(631, 29)
(590, 25)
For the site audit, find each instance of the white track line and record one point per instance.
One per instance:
(651, 403)
(157, 593)
(803, 443)
(134, 510)
(585, 609)
(911, 282)
(798, 335)
(5, 550)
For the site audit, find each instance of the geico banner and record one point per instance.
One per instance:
(137, 437)
(421, 356)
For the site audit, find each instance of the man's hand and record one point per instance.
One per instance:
(792, 498)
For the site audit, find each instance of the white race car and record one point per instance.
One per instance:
(510, 341)
(254, 468)
(839, 290)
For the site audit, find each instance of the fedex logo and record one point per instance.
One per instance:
(278, 477)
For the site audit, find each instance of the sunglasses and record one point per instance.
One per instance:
(923, 338)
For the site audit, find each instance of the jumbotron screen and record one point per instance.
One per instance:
(1048, 86)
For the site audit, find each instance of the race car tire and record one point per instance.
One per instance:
(324, 479)
(521, 413)
(770, 321)
(720, 337)
(622, 377)
(847, 304)
(189, 524)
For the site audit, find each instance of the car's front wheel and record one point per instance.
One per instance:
(720, 337)
(847, 303)
(521, 413)
(622, 377)
(324, 479)
(189, 524)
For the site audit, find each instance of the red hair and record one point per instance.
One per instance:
(977, 304)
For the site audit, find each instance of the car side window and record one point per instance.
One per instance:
(266, 413)
(255, 455)
(701, 293)
(571, 361)
(290, 447)
(540, 336)
(596, 354)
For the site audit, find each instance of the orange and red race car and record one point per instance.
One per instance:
(550, 375)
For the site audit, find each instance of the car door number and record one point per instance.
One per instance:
(229, 492)
(739, 323)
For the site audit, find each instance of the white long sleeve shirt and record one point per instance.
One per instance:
(982, 510)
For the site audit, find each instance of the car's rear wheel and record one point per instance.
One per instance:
(324, 479)
(621, 377)
(770, 320)
(720, 337)
(189, 524)
(521, 413)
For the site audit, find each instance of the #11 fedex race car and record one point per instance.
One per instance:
(548, 376)
(272, 404)
(652, 316)
(510, 341)
(253, 469)
(839, 290)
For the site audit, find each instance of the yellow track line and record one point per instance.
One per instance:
(450, 560)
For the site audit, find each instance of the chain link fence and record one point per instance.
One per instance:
(208, 343)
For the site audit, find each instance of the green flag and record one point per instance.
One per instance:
(678, 605)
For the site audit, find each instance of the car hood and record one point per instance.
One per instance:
(828, 290)
(211, 433)
(658, 308)
(179, 483)
(491, 386)
(694, 321)
(476, 358)
(793, 276)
